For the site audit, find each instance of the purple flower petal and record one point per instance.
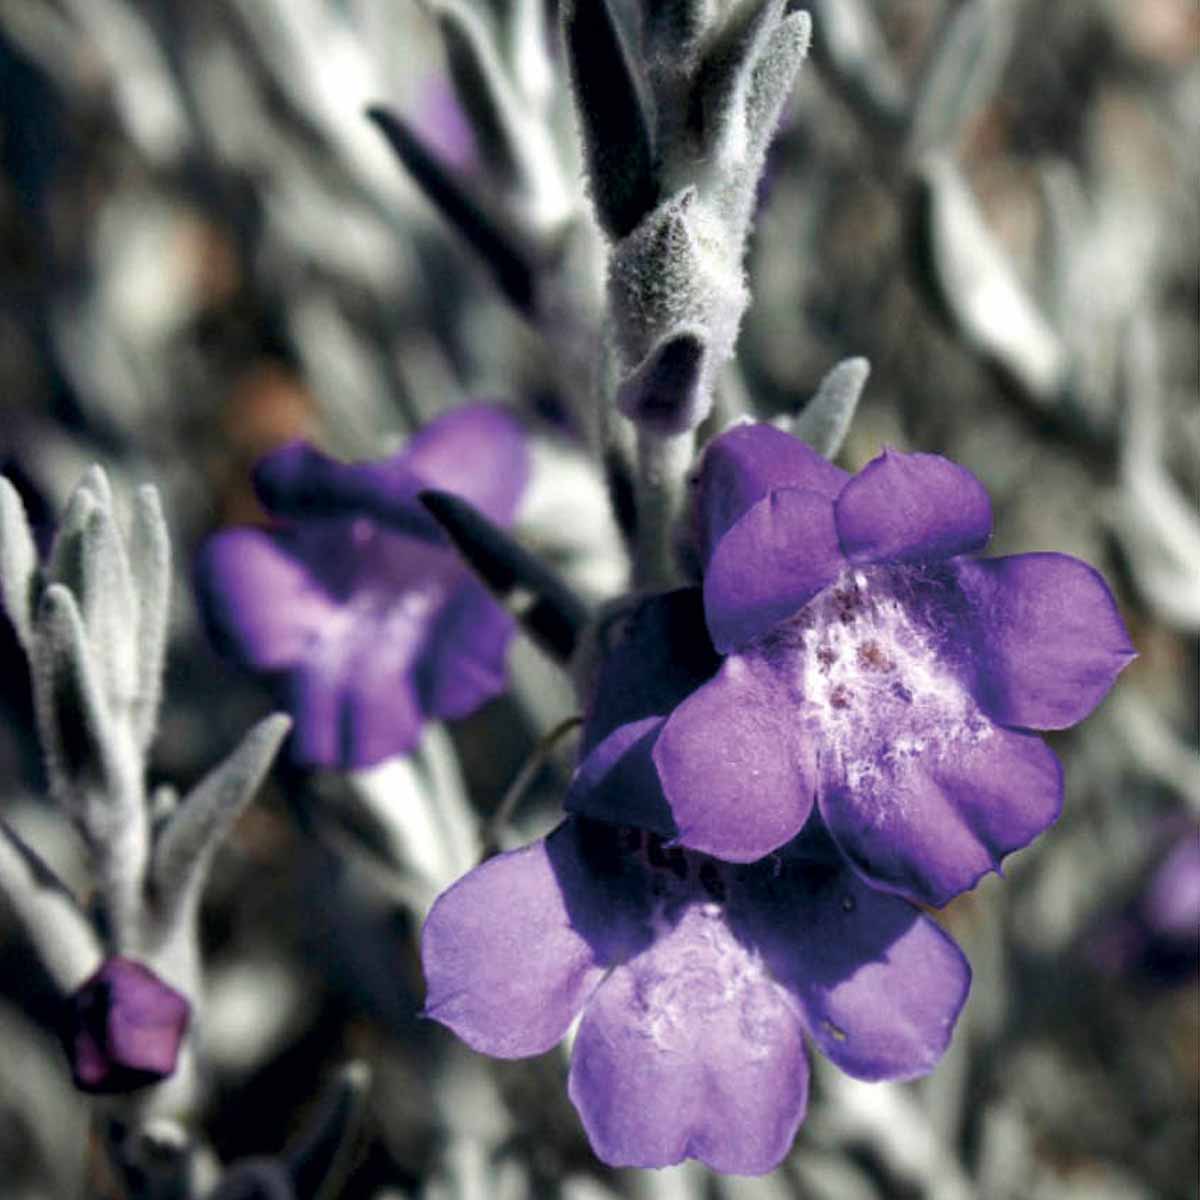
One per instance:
(879, 984)
(513, 950)
(929, 822)
(1050, 639)
(736, 773)
(465, 661)
(653, 657)
(907, 507)
(745, 463)
(259, 601)
(618, 781)
(691, 1050)
(478, 452)
(767, 566)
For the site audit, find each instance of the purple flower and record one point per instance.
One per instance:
(354, 604)
(1155, 937)
(876, 669)
(124, 1028)
(697, 980)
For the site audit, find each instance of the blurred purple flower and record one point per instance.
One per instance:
(697, 980)
(875, 669)
(1156, 935)
(354, 603)
(124, 1028)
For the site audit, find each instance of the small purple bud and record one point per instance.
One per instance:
(124, 1027)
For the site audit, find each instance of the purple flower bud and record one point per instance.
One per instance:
(124, 1027)
(354, 605)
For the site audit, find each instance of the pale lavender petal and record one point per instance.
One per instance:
(465, 661)
(767, 566)
(1049, 639)
(513, 950)
(928, 823)
(347, 716)
(618, 781)
(652, 658)
(737, 776)
(880, 985)
(691, 1050)
(259, 601)
(479, 452)
(741, 466)
(908, 507)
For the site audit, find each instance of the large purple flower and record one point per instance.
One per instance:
(697, 980)
(875, 668)
(354, 603)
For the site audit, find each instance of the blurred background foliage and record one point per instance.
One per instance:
(207, 249)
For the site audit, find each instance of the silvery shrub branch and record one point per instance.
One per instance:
(93, 623)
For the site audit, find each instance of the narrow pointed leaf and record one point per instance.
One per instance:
(49, 913)
(727, 73)
(74, 725)
(500, 248)
(774, 75)
(186, 845)
(609, 98)
(547, 608)
(150, 567)
(826, 418)
(316, 1160)
(484, 91)
(18, 563)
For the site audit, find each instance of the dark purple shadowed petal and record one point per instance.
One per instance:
(909, 507)
(124, 1028)
(880, 985)
(745, 463)
(1050, 641)
(652, 659)
(513, 950)
(691, 1050)
(618, 781)
(929, 825)
(465, 660)
(767, 566)
(260, 603)
(299, 481)
(736, 774)
(478, 452)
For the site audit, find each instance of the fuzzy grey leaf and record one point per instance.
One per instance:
(772, 81)
(186, 845)
(975, 285)
(484, 92)
(674, 28)
(18, 563)
(500, 248)
(74, 724)
(613, 113)
(546, 607)
(826, 418)
(666, 392)
(854, 55)
(49, 913)
(961, 75)
(150, 567)
(726, 76)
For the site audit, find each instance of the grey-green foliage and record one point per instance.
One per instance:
(697, 107)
